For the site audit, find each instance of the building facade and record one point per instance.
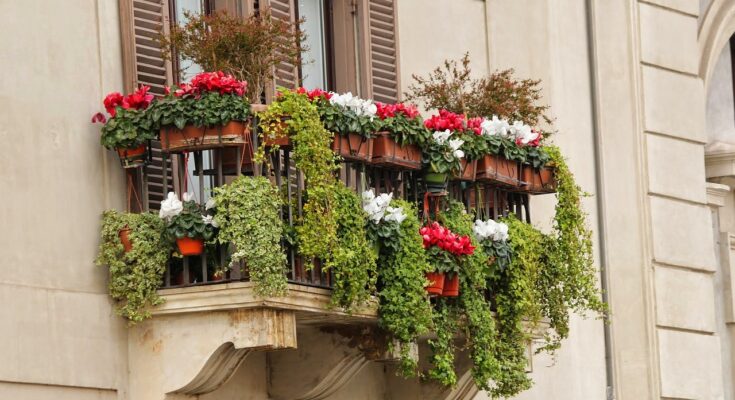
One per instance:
(642, 97)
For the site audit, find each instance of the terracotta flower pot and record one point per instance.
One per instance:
(436, 283)
(468, 171)
(190, 246)
(353, 147)
(387, 153)
(124, 235)
(132, 157)
(451, 286)
(435, 183)
(497, 169)
(234, 133)
(538, 180)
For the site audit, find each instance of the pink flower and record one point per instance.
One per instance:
(99, 117)
(445, 120)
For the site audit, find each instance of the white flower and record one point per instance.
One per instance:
(209, 220)
(355, 104)
(441, 137)
(210, 204)
(375, 207)
(495, 126)
(455, 144)
(501, 232)
(171, 206)
(458, 154)
(188, 196)
(395, 214)
(523, 132)
(368, 196)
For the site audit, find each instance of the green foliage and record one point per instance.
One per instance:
(136, 275)
(209, 109)
(189, 223)
(404, 130)
(439, 158)
(312, 154)
(570, 280)
(248, 214)
(129, 128)
(353, 261)
(475, 146)
(247, 48)
(442, 260)
(442, 348)
(537, 157)
(404, 308)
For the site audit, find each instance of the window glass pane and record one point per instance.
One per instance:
(187, 69)
(313, 70)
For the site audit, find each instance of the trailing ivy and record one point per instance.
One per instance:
(248, 214)
(312, 154)
(353, 260)
(404, 309)
(570, 280)
(442, 348)
(136, 275)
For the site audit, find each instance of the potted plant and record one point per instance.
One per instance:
(128, 129)
(402, 132)
(493, 237)
(353, 122)
(186, 224)
(500, 164)
(208, 112)
(475, 147)
(442, 156)
(444, 248)
(537, 173)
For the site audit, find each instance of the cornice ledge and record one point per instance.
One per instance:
(719, 160)
(717, 193)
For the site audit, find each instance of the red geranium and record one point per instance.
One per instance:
(391, 110)
(111, 102)
(212, 82)
(446, 120)
(437, 235)
(138, 100)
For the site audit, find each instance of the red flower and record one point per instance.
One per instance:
(391, 110)
(99, 117)
(111, 102)
(475, 125)
(212, 82)
(445, 120)
(437, 235)
(139, 100)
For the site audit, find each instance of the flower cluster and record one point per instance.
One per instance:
(437, 235)
(391, 110)
(523, 134)
(360, 107)
(206, 82)
(443, 138)
(171, 206)
(377, 207)
(138, 100)
(495, 231)
(475, 125)
(446, 120)
(315, 94)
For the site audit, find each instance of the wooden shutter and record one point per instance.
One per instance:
(143, 64)
(285, 74)
(381, 78)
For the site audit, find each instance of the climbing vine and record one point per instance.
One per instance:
(135, 276)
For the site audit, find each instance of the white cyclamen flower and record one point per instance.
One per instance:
(484, 229)
(210, 204)
(455, 144)
(188, 196)
(441, 137)
(495, 126)
(375, 207)
(368, 196)
(501, 232)
(395, 214)
(209, 220)
(522, 131)
(171, 206)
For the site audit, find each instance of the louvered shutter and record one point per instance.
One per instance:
(143, 64)
(380, 50)
(285, 74)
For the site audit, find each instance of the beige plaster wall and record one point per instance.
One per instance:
(57, 326)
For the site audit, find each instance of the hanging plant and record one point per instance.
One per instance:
(353, 261)
(135, 275)
(248, 217)
(317, 229)
(404, 309)
(442, 347)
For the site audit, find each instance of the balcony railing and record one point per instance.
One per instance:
(201, 170)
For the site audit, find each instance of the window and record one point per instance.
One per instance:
(314, 68)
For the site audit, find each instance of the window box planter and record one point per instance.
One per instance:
(190, 246)
(451, 286)
(387, 153)
(497, 169)
(132, 157)
(468, 171)
(435, 182)
(234, 133)
(436, 283)
(353, 147)
(537, 180)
